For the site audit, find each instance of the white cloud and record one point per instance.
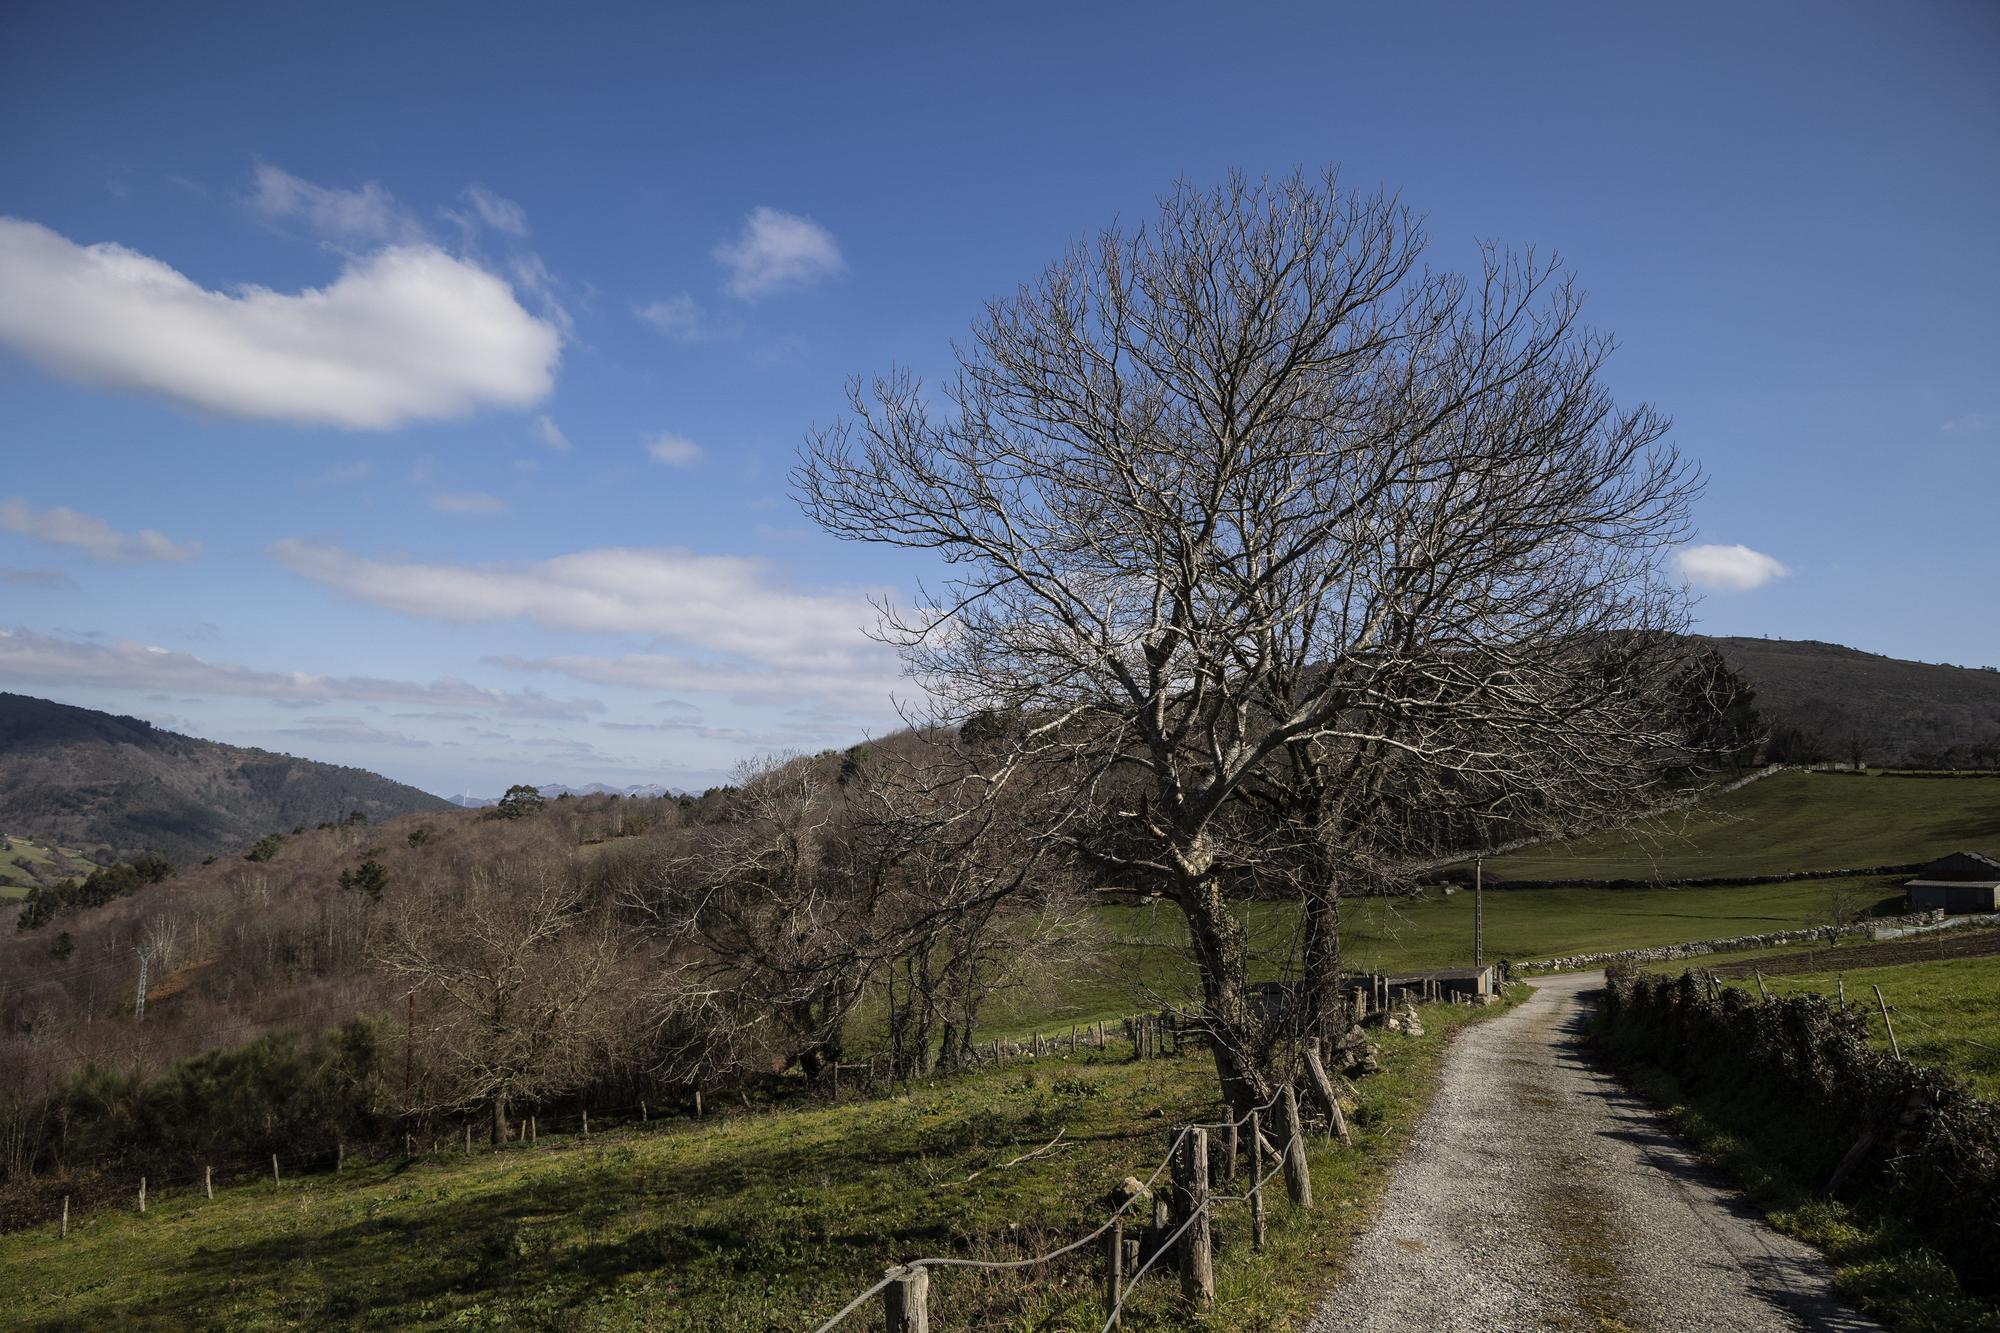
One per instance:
(849, 689)
(679, 317)
(501, 214)
(407, 334)
(725, 624)
(369, 214)
(673, 450)
(552, 435)
(468, 502)
(1728, 568)
(350, 731)
(27, 657)
(775, 250)
(91, 535)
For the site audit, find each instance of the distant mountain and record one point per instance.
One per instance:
(554, 789)
(1898, 713)
(74, 777)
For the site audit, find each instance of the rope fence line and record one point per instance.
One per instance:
(905, 1287)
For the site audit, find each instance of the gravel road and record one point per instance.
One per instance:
(1538, 1194)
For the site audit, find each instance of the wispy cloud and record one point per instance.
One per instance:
(497, 212)
(409, 333)
(91, 535)
(552, 435)
(53, 580)
(367, 214)
(726, 623)
(332, 730)
(29, 657)
(1728, 568)
(673, 450)
(1973, 423)
(776, 250)
(679, 317)
(468, 502)
(341, 474)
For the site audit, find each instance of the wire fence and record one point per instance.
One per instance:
(426, 1136)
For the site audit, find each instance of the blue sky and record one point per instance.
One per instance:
(414, 386)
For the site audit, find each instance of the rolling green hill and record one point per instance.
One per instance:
(74, 777)
(1790, 822)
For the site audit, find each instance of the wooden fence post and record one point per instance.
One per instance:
(1841, 981)
(339, 1157)
(1256, 1185)
(1894, 1049)
(142, 1195)
(1323, 1087)
(1114, 1270)
(905, 1301)
(276, 1180)
(65, 1221)
(1298, 1176)
(1763, 991)
(208, 1181)
(468, 1140)
(643, 1117)
(1191, 1203)
(1230, 1148)
(535, 1128)
(586, 1122)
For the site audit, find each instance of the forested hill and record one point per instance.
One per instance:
(1828, 698)
(80, 778)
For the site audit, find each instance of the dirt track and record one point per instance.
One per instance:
(1538, 1194)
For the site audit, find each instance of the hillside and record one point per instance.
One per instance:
(74, 777)
(26, 864)
(1901, 714)
(1790, 822)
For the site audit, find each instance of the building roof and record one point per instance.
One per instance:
(1968, 868)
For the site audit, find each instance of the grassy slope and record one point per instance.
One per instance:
(1946, 1012)
(46, 865)
(749, 1223)
(1794, 821)
(1145, 966)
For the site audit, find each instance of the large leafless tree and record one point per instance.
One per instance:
(1280, 546)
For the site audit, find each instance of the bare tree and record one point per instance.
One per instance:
(516, 973)
(1277, 545)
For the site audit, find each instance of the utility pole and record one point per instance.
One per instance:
(139, 1003)
(409, 1046)
(1478, 913)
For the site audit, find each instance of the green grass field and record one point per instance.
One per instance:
(752, 1222)
(1793, 821)
(1946, 1011)
(1144, 965)
(25, 864)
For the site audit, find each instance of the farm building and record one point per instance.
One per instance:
(1961, 882)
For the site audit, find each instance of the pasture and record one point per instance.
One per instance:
(1793, 821)
(751, 1221)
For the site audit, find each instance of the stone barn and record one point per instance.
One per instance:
(1961, 882)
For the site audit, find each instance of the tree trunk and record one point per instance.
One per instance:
(1221, 951)
(1321, 1012)
(499, 1118)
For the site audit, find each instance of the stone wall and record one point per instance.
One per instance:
(1665, 953)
